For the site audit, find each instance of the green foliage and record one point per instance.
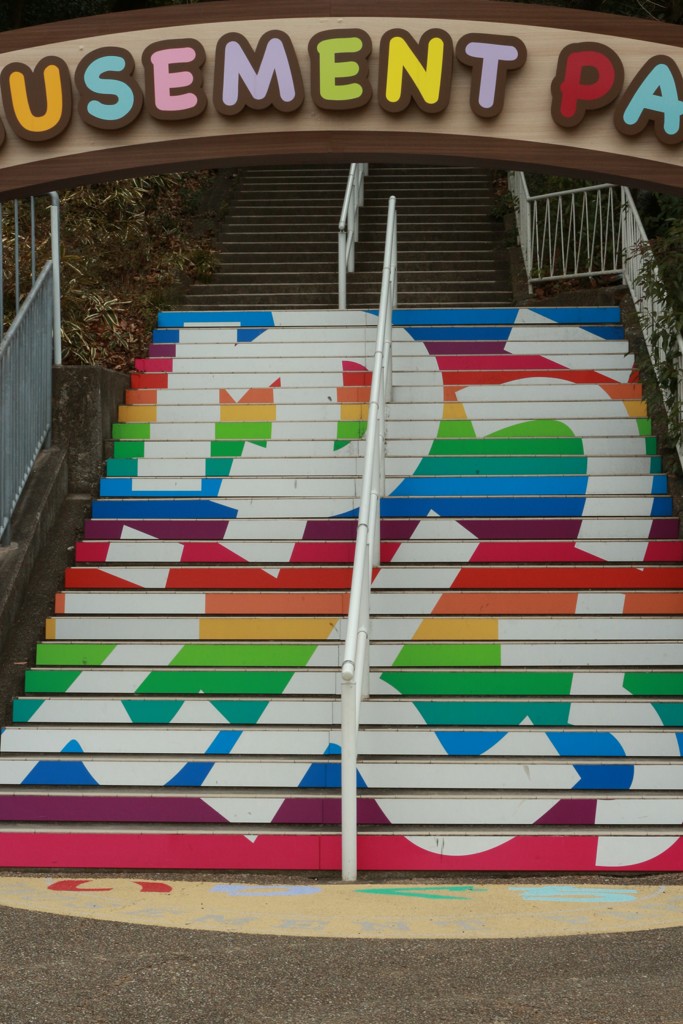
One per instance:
(19, 13)
(661, 281)
(658, 10)
(129, 248)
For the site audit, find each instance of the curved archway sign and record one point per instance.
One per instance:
(234, 82)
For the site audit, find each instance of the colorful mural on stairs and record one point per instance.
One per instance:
(529, 553)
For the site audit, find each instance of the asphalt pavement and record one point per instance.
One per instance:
(71, 967)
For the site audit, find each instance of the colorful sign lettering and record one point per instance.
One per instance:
(217, 83)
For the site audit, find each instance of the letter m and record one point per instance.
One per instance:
(268, 76)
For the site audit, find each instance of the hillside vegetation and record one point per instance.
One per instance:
(129, 249)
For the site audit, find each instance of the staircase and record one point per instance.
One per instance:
(451, 252)
(526, 707)
(278, 246)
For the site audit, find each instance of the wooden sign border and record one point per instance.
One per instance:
(335, 146)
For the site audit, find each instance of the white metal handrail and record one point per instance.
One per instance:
(349, 225)
(355, 671)
(571, 234)
(594, 231)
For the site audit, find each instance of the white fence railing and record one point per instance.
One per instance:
(25, 393)
(565, 235)
(349, 225)
(355, 671)
(27, 349)
(593, 232)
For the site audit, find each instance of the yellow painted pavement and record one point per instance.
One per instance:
(380, 911)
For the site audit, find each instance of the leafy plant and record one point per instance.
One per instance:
(129, 248)
(661, 313)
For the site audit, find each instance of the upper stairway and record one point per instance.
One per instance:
(278, 243)
(526, 706)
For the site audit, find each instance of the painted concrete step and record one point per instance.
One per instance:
(396, 430)
(490, 773)
(309, 807)
(349, 342)
(347, 379)
(273, 628)
(644, 602)
(362, 349)
(390, 529)
(483, 654)
(541, 848)
(271, 741)
(245, 328)
(570, 412)
(169, 505)
(473, 684)
(412, 396)
(348, 464)
(511, 315)
(399, 577)
(241, 367)
(418, 487)
(187, 373)
(297, 711)
(284, 552)
(477, 453)
(469, 451)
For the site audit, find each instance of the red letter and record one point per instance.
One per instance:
(589, 76)
(74, 885)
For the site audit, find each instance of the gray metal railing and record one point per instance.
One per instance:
(355, 669)
(27, 349)
(349, 225)
(25, 392)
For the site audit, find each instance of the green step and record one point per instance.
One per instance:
(163, 681)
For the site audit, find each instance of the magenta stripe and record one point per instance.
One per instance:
(665, 529)
(454, 348)
(161, 529)
(32, 807)
(571, 812)
(165, 350)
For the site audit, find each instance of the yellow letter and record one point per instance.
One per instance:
(419, 71)
(37, 101)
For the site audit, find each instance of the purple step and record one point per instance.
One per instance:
(345, 529)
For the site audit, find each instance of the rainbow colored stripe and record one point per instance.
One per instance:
(528, 611)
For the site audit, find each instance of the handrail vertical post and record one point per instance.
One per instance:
(17, 261)
(2, 276)
(33, 241)
(341, 261)
(394, 263)
(349, 756)
(56, 279)
(349, 227)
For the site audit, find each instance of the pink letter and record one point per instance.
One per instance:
(173, 79)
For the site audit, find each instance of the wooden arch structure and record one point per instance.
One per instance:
(281, 81)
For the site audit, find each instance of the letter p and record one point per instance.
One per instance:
(589, 76)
